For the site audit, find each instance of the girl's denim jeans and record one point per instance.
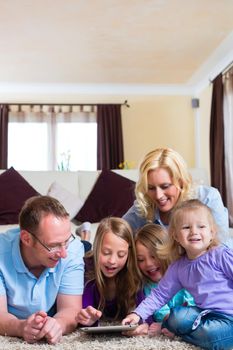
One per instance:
(208, 330)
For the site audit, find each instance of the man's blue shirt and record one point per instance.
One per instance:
(25, 292)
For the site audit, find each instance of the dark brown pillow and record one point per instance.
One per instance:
(14, 190)
(112, 195)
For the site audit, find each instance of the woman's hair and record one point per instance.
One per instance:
(37, 207)
(128, 280)
(173, 248)
(169, 160)
(153, 236)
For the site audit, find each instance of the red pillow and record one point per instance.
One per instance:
(112, 195)
(14, 190)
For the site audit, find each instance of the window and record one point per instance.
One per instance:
(25, 149)
(77, 146)
(45, 140)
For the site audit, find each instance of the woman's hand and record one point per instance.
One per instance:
(88, 316)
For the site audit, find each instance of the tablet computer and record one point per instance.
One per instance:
(109, 329)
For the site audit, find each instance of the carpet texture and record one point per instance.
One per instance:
(80, 341)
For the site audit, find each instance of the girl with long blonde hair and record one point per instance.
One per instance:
(113, 281)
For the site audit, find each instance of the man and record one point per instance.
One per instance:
(41, 274)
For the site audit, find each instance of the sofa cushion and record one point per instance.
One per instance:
(14, 190)
(70, 201)
(112, 195)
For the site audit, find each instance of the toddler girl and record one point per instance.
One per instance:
(205, 269)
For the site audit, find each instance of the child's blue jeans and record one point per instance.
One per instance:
(209, 331)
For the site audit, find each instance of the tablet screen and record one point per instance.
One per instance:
(109, 329)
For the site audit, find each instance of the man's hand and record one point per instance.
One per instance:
(39, 326)
(88, 316)
(51, 330)
(32, 326)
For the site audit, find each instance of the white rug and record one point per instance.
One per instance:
(80, 341)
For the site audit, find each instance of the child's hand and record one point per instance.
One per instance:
(131, 319)
(142, 329)
(88, 316)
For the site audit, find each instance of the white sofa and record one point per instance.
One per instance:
(80, 183)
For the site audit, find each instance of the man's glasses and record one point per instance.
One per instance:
(57, 248)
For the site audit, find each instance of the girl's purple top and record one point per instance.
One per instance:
(91, 297)
(209, 278)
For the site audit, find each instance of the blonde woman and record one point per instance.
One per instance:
(164, 182)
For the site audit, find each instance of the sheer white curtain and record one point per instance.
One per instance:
(52, 137)
(228, 136)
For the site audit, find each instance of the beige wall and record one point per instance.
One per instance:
(205, 108)
(159, 121)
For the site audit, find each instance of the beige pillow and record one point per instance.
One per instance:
(70, 201)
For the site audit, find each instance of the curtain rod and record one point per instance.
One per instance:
(229, 66)
(125, 103)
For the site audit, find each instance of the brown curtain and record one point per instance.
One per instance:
(4, 110)
(109, 137)
(228, 138)
(217, 154)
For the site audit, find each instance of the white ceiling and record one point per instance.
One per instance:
(115, 43)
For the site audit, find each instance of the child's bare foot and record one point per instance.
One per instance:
(84, 231)
(85, 235)
(154, 329)
(167, 333)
